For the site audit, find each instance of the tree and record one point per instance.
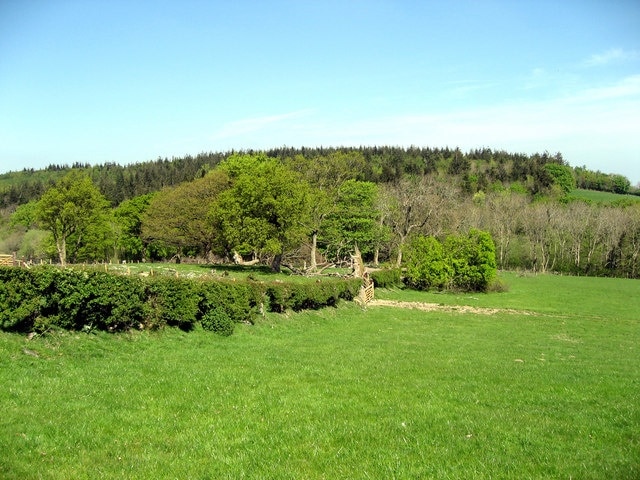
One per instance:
(415, 204)
(353, 220)
(179, 216)
(562, 176)
(503, 212)
(69, 209)
(265, 211)
(128, 216)
(325, 173)
(620, 184)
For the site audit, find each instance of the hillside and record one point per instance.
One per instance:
(476, 170)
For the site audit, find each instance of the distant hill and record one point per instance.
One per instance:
(480, 169)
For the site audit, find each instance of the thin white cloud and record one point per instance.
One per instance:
(611, 56)
(246, 126)
(627, 87)
(590, 126)
(463, 88)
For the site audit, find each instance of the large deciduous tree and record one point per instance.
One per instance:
(416, 205)
(128, 216)
(70, 209)
(325, 173)
(179, 216)
(354, 219)
(266, 210)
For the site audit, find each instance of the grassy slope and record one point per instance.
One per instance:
(587, 297)
(341, 393)
(602, 197)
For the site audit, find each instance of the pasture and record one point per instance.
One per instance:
(546, 387)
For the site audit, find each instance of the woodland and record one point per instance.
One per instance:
(310, 207)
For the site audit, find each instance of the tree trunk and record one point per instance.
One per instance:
(276, 263)
(400, 247)
(313, 266)
(61, 246)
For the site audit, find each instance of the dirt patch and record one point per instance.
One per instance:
(437, 307)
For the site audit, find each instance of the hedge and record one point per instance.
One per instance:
(387, 278)
(301, 296)
(48, 297)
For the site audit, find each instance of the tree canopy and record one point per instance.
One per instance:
(73, 209)
(266, 210)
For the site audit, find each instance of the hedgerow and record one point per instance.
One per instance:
(300, 296)
(387, 278)
(48, 297)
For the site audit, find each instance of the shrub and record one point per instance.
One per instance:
(172, 302)
(473, 258)
(427, 265)
(298, 296)
(49, 297)
(239, 300)
(464, 262)
(217, 320)
(20, 303)
(387, 278)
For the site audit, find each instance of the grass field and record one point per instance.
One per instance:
(345, 392)
(602, 197)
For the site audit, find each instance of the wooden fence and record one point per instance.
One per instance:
(7, 260)
(368, 292)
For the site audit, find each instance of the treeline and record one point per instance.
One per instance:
(307, 210)
(478, 169)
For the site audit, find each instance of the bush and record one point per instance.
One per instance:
(463, 262)
(49, 297)
(20, 303)
(172, 302)
(473, 258)
(427, 265)
(298, 296)
(217, 320)
(239, 300)
(387, 278)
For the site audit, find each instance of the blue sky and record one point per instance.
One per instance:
(129, 81)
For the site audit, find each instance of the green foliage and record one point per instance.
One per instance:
(172, 302)
(266, 208)
(128, 216)
(78, 300)
(562, 176)
(179, 216)
(387, 277)
(604, 182)
(239, 300)
(354, 220)
(473, 258)
(464, 262)
(217, 320)
(283, 296)
(427, 264)
(70, 210)
(20, 303)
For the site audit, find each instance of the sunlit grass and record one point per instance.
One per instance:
(595, 297)
(339, 393)
(601, 197)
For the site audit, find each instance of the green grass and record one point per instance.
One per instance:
(602, 197)
(585, 297)
(341, 393)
